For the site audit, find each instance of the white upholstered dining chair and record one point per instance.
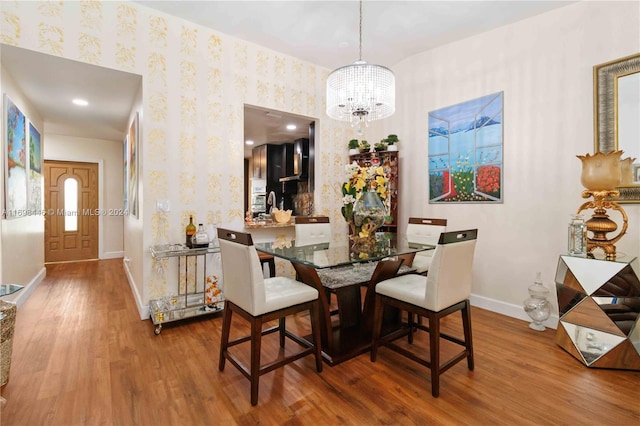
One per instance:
(424, 230)
(445, 290)
(311, 230)
(260, 300)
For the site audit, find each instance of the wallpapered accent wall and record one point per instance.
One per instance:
(195, 84)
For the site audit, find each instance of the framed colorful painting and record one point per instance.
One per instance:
(465, 152)
(35, 170)
(125, 164)
(132, 193)
(15, 161)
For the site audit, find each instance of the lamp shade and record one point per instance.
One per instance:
(361, 92)
(601, 171)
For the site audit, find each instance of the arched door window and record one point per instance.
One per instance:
(70, 204)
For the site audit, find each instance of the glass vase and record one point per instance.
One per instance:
(537, 306)
(577, 236)
(368, 213)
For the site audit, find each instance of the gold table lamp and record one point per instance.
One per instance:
(601, 175)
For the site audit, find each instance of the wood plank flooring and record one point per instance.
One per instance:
(82, 356)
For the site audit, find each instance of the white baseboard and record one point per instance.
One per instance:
(510, 310)
(113, 255)
(143, 310)
(503, 308)
(21, 296)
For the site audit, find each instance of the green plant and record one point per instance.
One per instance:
(353, 144)
(381, 146)
(364, 145)
(392, 139)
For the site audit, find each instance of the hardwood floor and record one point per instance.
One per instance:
(82, 356)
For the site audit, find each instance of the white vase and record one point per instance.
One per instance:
(393, 147)
(354, 151)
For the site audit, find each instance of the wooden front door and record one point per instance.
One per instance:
(71, 228)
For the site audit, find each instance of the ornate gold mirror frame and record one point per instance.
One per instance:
(605, 85)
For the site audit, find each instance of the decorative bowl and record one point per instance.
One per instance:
(281, 216)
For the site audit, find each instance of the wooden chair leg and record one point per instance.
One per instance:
(434, 346)
(410, 324)
(256, 341)
(281, 330)
(466, 324)
(315, 330)
(377, 326)
(272, 268)
(224, 343)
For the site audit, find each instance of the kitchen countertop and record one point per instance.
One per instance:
(261, 224)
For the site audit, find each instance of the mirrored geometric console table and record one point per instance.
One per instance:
(599, 308)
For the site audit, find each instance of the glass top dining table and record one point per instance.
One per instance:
(350, 335)
(339, 252)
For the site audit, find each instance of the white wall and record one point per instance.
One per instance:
(22, 238)
(109, 156)
(134, 224)
(544, 66)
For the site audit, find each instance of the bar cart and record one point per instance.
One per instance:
(203, 298)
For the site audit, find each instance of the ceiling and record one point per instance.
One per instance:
(326, 32)
(321, 32)
(263, 125)
(51, 83)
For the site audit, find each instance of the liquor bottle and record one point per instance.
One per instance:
(201, 238)
(190, 232)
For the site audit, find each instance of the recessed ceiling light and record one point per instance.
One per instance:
(248, 142)
(80, 102)
(291, 126)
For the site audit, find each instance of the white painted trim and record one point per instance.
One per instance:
(21, 296)
(143, 310)
(113, 255)
(513, 311)
(100, 194)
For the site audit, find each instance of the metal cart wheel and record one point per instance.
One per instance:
(158, 329)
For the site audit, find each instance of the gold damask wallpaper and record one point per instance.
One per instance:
(195, 82)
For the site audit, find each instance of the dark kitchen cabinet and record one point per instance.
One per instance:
(269, 162)
(259, 158)
(272, 162)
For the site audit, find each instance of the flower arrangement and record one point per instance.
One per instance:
(361, 179)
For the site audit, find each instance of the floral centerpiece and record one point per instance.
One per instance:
(363, 195)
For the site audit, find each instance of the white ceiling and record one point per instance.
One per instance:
(51, 83)
(326, 32)
(262, 125)
(321, 32)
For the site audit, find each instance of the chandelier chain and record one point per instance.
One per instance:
(360, 57)
(361, 92)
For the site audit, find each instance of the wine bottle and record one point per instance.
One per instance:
(191, 231)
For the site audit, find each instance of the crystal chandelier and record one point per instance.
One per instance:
(361, 92)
